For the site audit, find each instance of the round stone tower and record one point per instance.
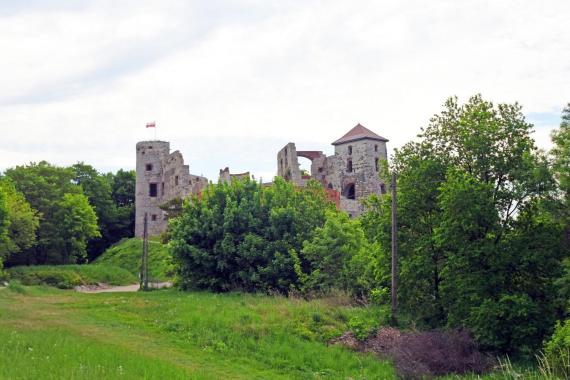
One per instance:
(149, 191)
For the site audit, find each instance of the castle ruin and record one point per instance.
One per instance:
(352, 170)
(349, 176)
(161, 176)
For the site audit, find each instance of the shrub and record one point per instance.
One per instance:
(438, 353)
(362, 328)
(557, 351)
(243, 236)
(420, 355)
(69, 276)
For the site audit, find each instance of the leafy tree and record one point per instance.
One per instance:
(339, 257)
(4, 224)
(123, 194)
(48, 188)
(78, 224)
(246, 236)
(561, 168)
(23, 221)
(98, 190)
(476, 247)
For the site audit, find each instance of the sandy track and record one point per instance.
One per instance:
(117, 289)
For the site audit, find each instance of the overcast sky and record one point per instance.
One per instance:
(231, 82)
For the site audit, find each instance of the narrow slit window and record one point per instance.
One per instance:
(376, 164)
(350, 149)
(176, 181)
(349, 166)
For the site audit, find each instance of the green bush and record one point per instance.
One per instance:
(362, 328)
(69, 276)
(245, 236)
(557, 350)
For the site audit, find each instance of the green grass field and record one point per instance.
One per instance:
(53, 334)
(126, 254)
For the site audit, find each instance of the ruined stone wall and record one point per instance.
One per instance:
(352, 170)
(160, 177)
(288, 164)
(227, 177)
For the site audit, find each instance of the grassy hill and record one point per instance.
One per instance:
(126, 254)
(52, 334)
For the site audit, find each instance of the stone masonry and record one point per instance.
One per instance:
(161, 177)
(352, 170)
(349, 176)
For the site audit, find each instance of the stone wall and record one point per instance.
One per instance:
(352, 170)
(160, 177)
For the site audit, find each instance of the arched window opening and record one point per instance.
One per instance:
(349, 191)
(330, 186)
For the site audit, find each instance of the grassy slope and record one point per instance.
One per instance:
(68, 276)
(51, 334)
(127, 254)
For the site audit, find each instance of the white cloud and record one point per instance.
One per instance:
(80, 84)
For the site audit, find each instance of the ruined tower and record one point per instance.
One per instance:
(353, 171)
(161, 176)
(357, 161)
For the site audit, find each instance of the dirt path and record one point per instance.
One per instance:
(116, 289)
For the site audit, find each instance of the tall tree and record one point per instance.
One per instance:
(4, 224)
(22, 219)
(45, 187)
(469, 188)
(123, 194)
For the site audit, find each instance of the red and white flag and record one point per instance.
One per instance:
(151, 125)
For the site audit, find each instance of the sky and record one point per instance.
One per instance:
(229, 83)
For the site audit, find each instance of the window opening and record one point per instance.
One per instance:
(152, 190)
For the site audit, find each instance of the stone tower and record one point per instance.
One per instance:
(148, 197)
(353, 171)
(358, 157)
(161, 177)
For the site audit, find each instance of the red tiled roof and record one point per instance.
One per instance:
(358, 133)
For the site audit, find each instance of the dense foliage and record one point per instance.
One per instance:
(112, 198)
(246, 236)
(477, 246)
(59, 215)
(557, 350)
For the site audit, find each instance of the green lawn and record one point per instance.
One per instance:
(126, 254)
(53, 334)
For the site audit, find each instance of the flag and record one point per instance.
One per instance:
(151, 125)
